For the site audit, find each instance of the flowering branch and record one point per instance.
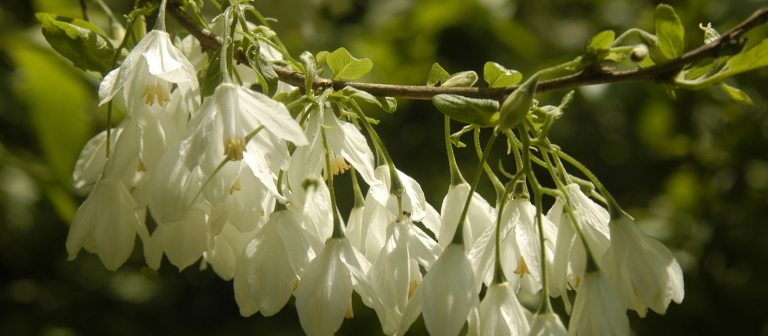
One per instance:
(729, 43)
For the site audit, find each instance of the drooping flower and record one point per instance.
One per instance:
(598, 309)
(447, 294)
(499, 313)
(395, 274)
(148, 73)
(641, 269)
(270, 266)
(106, 224)
(323, 296)
(570, 257)
(480, 215)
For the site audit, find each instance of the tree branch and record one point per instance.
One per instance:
(728, 43)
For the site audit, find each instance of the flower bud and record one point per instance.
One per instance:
(515, 108)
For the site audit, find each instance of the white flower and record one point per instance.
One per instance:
(148, 72)
(570, 258)
(395, 273)
(480, 215)
(105, 224)
(378, 213)
(323, 296)
(521, 215)
(598, 309)
(448, 292)
(500, 313)
(183, 241)
(642, 269)
(547, 324)
(271, 265)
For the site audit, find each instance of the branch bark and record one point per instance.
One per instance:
(660, 73)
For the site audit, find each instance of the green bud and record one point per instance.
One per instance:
(461, 79)
(480, 112)
(515, 108)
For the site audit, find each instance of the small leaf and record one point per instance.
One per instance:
(736, 94)
(310, 68)
(670, 34)
(497, 75)
(345, 66)
(387, 104)
(601, 41)
(437, 75)
(461, 79)
(79, 41)
(706, 75)
(473, 111)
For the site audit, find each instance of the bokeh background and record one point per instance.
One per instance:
(692, 169)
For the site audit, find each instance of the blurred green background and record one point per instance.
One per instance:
(692, 169)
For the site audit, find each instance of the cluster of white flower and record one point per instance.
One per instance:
(246, 185)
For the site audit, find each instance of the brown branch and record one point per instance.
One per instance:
(728, 43)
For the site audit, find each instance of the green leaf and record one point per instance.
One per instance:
(437, 75)
(497, 75)
(750, 59)
(345, 66)
(310, 68)
(670, 34)
(473, 111)
(461, 79)
(601, 41)
(736, 94)
(387, 104)
(79, 41)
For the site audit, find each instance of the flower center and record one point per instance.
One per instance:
(338, 165)
(234, 149)
(156, 92)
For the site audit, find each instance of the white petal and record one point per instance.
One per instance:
(272, 114)
(324, 292)
(448, 292)
(184, 241)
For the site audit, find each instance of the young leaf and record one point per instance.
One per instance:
(345, 66)
(601, 41)
(437, 75)
(461, 79)
(473, 111)
(736, 94)
(81, 42)
(747, 60)
(670, 34)
(497, 76)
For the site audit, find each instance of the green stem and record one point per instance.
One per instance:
(497, 185)
(160, 24)
(359, 200)
(456, 177)
(397, 187)
(458, 235)
(546, 303)
(338, 231)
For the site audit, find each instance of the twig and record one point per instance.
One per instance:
(728, 43)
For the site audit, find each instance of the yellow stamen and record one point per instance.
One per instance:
(338, 165)
(156, 93)
(412, 288)
(350, 313)
(235, 187)
(141, 167)
(522, 267)
(234, 149)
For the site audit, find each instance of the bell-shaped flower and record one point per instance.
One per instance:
(92, 160)
(521, 216)
(598, 309)
(480, 215)
(499, 313)
(225, 251)
(547, 324)
(324, 293)
(378, 213)
(346, 144)
(570, 259)
(641, 269)
(148, 73)
(272, 263)
(106, 224)
(447, 294)
(183, 241)
(395, 274)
